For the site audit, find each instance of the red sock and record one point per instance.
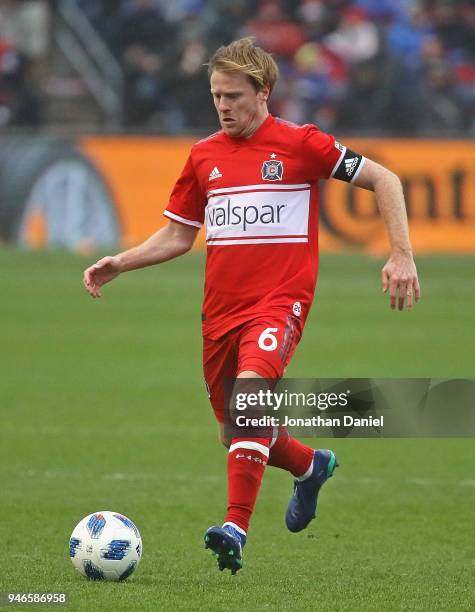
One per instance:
(247, 460)
(290, 454)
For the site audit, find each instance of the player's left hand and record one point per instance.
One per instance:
(399, 276)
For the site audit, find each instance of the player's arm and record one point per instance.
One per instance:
(399, 275)
(170, 241)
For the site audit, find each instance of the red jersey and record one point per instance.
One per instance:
(258, 199)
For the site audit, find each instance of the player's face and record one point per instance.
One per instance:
(241, 109)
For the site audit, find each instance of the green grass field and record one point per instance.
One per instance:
(103, 408)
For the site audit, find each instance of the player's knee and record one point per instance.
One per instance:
(248, 374)
(223, 438)
(225, 441)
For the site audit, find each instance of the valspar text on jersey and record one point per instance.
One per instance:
(258, 213)
(244, 214)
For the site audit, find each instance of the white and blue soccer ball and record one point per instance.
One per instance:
(105, 546)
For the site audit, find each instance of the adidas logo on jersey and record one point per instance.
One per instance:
(214, 174)
(350, 165)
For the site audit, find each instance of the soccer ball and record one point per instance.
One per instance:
(105, 546)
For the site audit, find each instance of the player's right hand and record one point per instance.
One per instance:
(102, 272)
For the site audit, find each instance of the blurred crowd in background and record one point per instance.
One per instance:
(398, 67)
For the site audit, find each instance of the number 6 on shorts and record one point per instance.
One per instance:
(267, 341)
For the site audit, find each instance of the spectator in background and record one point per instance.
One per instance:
(318, 84)
(356, 39)
(441, 109)
(144, 44)
(10, 83)
(406, 39)
(385, 11)
(176, 11)
(366, 102)
(274, 31)
(188, 24)
(26, 22)
(452, 28)
(102, 14)
(317, 19)
(406, 36)
(190, 88)
(140, 23)
(456, 28)
(143, 84)
(24, 37)
(225, 19)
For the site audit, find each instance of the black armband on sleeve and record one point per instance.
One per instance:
(349, 166)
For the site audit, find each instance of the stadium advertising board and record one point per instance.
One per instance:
(123, 183)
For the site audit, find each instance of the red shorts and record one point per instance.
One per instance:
(264, 345)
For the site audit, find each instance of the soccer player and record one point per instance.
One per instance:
(254, 185)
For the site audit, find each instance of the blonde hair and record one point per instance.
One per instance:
(243, 56)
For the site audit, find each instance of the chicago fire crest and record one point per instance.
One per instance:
(272, 170)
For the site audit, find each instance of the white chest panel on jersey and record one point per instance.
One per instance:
(257, 214)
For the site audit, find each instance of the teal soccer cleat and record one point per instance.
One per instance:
(302, 507)
(227, 544)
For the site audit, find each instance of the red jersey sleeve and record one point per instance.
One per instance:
(187, 200)
(321, 152)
